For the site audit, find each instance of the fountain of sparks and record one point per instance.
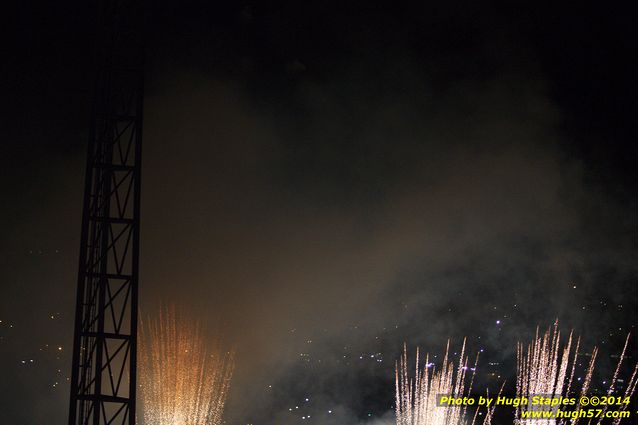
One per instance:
(544, 369)
(416, 398)
(183, 381)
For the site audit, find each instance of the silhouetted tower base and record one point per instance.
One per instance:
(103, 379)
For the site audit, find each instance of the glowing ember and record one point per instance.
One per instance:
(183, 382)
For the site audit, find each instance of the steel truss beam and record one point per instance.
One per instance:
(103, 379)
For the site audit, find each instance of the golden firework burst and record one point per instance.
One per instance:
(183, 380)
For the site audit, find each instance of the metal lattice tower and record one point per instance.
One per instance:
(103, 379)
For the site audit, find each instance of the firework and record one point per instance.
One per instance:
(183, 381)
(544, 369)
(416, 398)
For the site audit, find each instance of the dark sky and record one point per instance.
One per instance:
(325, 180)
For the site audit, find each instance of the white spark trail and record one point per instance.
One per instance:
(416, 398)
(541, 370)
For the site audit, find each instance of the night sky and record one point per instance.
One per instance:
(324, 181)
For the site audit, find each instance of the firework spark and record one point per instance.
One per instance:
(542, 369)
(183, 382)
(416, 398)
